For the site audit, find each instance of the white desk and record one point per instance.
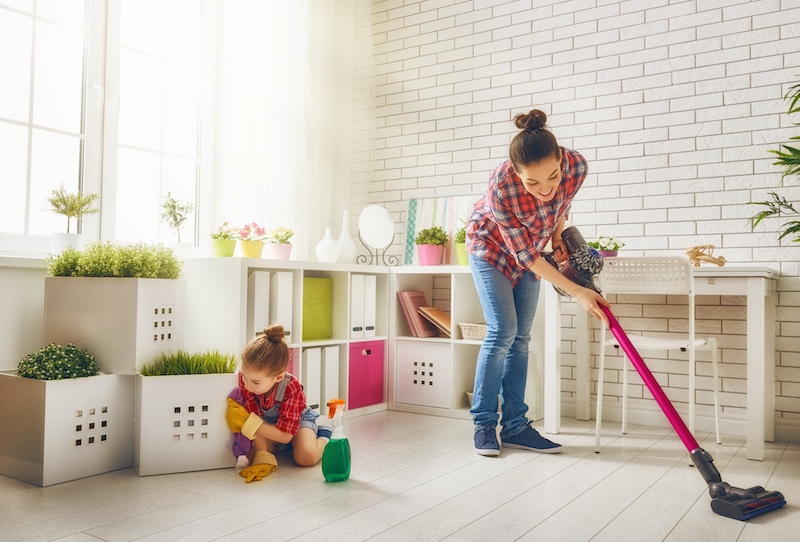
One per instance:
(757, 283)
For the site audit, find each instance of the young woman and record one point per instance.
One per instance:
(524, 208)
(273, 409)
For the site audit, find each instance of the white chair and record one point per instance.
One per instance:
(670, 275)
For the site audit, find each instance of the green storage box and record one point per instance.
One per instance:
(317, 308)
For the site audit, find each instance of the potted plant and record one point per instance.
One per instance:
(606, 246)
(122, 303)
(75, 206)
(278, 243)
(460, 239)
(430, 245)
(61, 419)
(223, 240)
(252, 238)
(175, 213)
(789, 160)
(179, 406)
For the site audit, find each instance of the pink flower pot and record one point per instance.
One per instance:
(278, 251)
(430, 254)
(608, 253)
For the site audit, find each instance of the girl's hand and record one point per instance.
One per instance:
(591, 301)
(560, 253)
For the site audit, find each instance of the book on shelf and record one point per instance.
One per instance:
(410, 301)
(437, 317)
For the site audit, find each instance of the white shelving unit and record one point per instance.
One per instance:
(432, 375)
(229, 299)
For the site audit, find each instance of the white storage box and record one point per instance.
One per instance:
(123, 322)
(53, 431)
(180, 423)
(424, 374)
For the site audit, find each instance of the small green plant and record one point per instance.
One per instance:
(72, 205)
(184, 363)
(104, 259)
(225, 231)
(280, 236)
(56, 362)
(432, 236)
(461, 236)
(606, 243)
(175, 213)
(789, 160)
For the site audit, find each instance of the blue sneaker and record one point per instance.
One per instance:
(486, 440)
(530, 439)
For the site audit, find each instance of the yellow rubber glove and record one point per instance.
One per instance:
(263, 465)
(241, 421)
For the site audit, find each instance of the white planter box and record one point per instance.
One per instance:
(123, 322)
(53, 431)
(180, 423)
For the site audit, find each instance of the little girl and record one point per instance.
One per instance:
(272, 409)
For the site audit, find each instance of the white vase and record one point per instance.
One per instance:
(327, 250)
(347, 248)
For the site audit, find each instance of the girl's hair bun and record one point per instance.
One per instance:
(274, 333)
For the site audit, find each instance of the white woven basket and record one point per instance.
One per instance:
(473, 332)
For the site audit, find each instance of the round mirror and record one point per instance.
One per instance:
(375, 227)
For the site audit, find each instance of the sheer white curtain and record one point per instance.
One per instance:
(284, 115)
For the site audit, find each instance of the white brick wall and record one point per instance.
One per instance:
(674, 103)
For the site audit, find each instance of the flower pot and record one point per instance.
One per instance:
(430, 254)
(278, 251)
(53, 431)
(123, 322)
(223, 248)
(461, 254)
(180, 423)
(60, 241)
(252, 249)
(608, 253)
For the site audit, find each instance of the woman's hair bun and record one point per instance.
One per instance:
(535, 120)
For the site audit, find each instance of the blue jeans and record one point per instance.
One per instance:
(503, 359)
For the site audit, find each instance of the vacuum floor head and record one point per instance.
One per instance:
(754, 502)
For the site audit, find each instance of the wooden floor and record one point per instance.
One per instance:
(417, 477)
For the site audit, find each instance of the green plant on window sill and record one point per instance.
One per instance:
(75, 205)
(431, 236)
(184, 363)
(175, 213)
(789, 160)
(56, 362)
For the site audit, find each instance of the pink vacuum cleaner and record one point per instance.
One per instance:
(733, 502)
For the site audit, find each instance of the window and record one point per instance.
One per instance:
(104, 97)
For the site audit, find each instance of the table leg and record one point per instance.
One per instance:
(552, 360)
(760, 367)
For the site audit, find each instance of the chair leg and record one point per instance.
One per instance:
(715, 382)
(624, 395)
(600, 370)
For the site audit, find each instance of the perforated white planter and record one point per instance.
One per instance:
(180, 423)
(123, 322)
(53, 431)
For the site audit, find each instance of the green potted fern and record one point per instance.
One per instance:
(62, 420)
(430, 245)
(179, 406)
(122, 303)
(788, 158)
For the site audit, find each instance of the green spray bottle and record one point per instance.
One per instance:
(336, 456)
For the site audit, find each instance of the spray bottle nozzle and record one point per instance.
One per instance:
(332, 404)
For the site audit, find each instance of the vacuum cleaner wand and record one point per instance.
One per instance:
(583, 265)
(726, 500)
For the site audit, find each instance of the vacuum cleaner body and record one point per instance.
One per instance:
(726, 500)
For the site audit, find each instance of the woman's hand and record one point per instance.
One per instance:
(591, 301)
